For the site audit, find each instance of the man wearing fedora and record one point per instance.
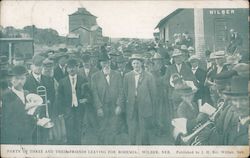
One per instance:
(140, 94)
(200, 76)
(33, 81)
(161, 109)
(107, 93)
(71, 99)
(17, 124)
(184, 70)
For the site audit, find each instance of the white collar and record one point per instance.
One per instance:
(195, 68)
(137, 73)
(36, 76)
(244, 119)
(19, 93)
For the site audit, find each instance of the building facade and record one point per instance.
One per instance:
(83, 24)
(214, 23)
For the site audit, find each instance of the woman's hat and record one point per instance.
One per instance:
(185, 90)
(238, 87)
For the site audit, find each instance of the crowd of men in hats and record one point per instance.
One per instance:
(169, 93)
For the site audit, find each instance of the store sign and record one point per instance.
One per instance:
(221, 12)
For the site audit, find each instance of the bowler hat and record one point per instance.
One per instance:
(103, 56)
(238, 87)
(72, 62)
(86, 58)
(18, 71)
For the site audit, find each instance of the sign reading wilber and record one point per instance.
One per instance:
(124, 79)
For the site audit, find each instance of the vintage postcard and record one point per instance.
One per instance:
(124, 79)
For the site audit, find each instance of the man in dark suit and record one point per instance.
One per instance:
(184, 70)
(87, 70)
(60, 70)
(233, 124)
(140, 91)
(34, 80)
(200, 76)
(71, 100)
(107, 92)
(17, 125)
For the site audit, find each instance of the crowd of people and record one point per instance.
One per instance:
(175, 92)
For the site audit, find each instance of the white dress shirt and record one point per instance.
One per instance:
(178, 66)
(20, 94)
(86, 71)
(219, 69)
(137, 77)
(194, 69)
(37, 77)
(73, 80)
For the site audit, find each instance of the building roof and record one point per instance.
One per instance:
(95, 27)
(164, 20)
(80, 27)
(73, 35)
(82, 11)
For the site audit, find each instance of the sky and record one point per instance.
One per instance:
(132, 19)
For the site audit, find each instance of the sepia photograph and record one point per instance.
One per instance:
(124, 78)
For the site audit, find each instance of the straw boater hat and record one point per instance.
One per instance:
(194, 57)
(217, 55)
(184, 48)
(136, 57)
(190, 49)
(176, 52)
(238, 87)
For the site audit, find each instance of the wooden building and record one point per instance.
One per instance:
(208, 27)
(83, 25)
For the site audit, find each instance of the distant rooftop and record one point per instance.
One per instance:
(82, 11)
(164, 20)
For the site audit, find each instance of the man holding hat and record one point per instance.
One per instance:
(71, 99)
(34, 80)
(17, 125)
(140, 94)
(107, 92)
